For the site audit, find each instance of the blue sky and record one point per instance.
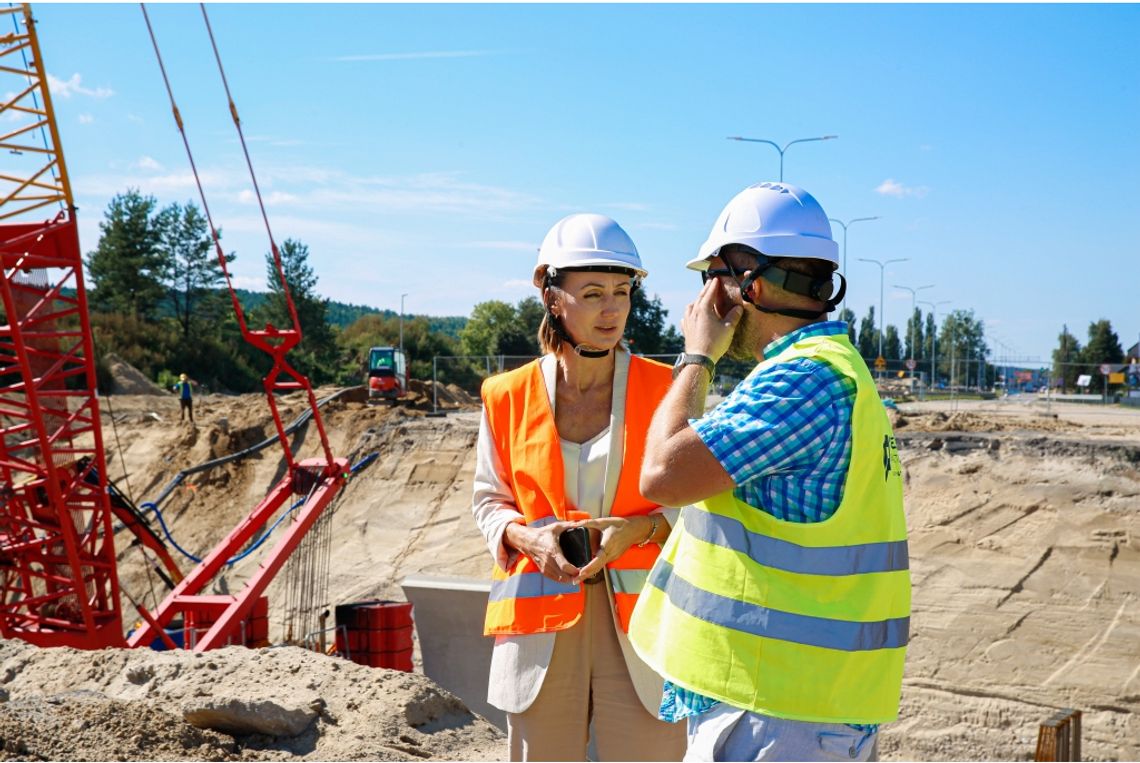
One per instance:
(426, 149)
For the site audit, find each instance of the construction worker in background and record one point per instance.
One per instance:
(559, 449)
(778, 611)
(185, 397)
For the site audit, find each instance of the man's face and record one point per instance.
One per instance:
(731, 270)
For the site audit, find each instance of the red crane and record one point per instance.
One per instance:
(58, 583)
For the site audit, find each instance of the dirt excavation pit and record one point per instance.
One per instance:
(1025, 558)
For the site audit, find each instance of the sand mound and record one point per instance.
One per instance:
(129, 380)
(424, 393)
(230, 704)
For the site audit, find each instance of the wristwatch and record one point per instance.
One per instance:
(691, 358)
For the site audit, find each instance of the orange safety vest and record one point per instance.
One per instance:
(522, 599)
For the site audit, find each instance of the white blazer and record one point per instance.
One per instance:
(519, 663)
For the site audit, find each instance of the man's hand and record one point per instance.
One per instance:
(710, 321)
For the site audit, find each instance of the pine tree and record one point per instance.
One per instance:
(317, 353)
(129, 264)
(868, 336)
(193, 271)
(847, 315)
(1066, 359)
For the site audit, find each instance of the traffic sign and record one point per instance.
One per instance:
(1105, 368)
(880, 363)
(911, 364)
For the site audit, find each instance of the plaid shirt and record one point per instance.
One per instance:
(784, 436)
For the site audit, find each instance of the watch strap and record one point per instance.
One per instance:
(692, 358)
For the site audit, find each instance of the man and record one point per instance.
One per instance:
(185, 397)
(778, 611)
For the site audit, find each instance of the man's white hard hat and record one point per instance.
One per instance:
(587, 241)
(776, 219)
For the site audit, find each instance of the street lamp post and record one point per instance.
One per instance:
(402, 322)
(913, 296)
(934, 337)
(882, 268)
(785, 148)
(844, 226)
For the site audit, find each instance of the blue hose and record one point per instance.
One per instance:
(256, 544)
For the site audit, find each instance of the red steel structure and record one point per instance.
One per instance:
(58, 581)
(317, 479)
(58, 585)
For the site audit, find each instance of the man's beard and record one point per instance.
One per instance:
(743, 345)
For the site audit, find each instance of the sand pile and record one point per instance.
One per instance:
(129, 380)
(230, 704)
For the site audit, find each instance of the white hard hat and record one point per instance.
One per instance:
(776, 219)
(585, 241)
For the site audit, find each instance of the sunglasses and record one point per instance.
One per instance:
(707, 275)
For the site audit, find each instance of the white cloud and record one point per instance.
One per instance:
(518, 283)
(148, 163)
(273, 198)
(891, 187)
(416, 55)
(135, 118)
(86, 119)
(67, 88)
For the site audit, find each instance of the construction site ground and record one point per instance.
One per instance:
(1025, 553)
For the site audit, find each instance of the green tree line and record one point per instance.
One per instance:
(157, 297)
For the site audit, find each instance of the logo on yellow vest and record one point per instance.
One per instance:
(891, 462)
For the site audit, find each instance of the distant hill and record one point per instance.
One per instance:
(344, 314)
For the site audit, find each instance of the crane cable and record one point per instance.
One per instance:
(252, 174)
(198, 179)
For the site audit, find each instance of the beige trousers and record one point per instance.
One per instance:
(587, 681)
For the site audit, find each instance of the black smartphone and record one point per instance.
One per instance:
(575, 544)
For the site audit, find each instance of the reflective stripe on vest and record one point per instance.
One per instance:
(790, 557)
(772, 623)
(522, 426)
(527, 585)
(806, 621)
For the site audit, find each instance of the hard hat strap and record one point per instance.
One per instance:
(792, 312)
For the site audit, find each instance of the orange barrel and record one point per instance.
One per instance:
(376, 633)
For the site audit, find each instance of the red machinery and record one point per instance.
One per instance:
(58, 583)
(387, 373)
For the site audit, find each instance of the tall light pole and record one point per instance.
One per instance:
(934, 337)
(882, 268)
(844, 226)
(402, 322)
(776, 146)
(913, 295)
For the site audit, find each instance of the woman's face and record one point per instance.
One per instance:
(594, 307)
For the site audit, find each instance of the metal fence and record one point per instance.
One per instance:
(1085, 382)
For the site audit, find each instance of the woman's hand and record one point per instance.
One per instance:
(617, 535)
(540, 544)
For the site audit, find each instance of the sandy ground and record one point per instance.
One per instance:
(1025, 548)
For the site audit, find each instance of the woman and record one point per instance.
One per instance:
(560, 447)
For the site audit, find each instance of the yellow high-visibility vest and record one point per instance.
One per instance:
(802, 621)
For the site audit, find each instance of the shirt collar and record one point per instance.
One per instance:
(822, 328)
